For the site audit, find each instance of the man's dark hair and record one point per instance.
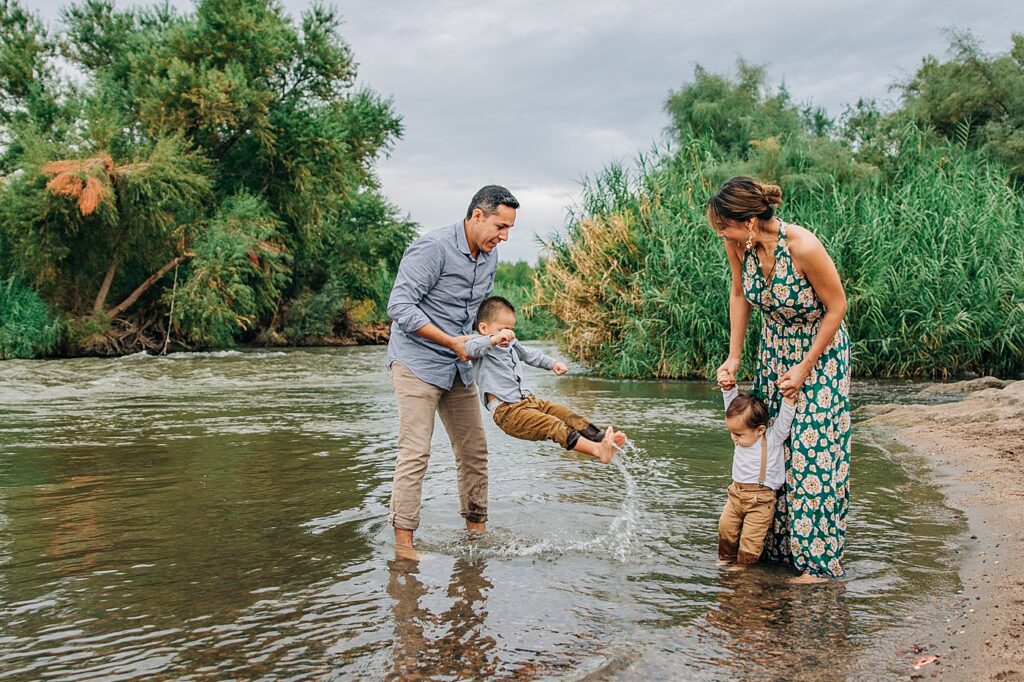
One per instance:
(751, 407)
(489, 198)
(490, 307)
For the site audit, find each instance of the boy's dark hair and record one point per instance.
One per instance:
(751, 408)
(488, 198)
(491, 306)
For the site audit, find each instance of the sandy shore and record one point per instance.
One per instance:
(976, 447)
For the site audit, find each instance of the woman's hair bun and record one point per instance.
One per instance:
(772, 194)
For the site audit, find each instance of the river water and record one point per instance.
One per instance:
(223, 515)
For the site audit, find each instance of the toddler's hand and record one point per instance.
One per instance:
(560, 368)
(726, 381)
(503, 338)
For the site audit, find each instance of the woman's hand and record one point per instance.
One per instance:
(726, 373)
(792, 381)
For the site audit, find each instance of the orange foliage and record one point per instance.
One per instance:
(77, 180)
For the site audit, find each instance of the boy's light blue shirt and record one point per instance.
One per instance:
(499, 371)
(438, 282)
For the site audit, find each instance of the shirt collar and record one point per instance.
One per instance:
(460, 238)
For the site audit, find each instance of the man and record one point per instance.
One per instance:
(443, 277)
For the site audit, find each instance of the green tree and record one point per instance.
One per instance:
(228, 145)
(974, 99)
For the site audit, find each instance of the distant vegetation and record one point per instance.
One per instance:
(217, 164)
(514, 281)
(921, 207)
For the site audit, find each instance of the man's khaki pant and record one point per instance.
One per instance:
(744, 522)
(459, 408)
(534, 419)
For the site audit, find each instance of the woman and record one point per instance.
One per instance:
(805, 351)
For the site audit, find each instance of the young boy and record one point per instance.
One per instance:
(498, 364)
(758, 471)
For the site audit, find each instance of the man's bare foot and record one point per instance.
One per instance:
(723, 562)
(807, 579)
(606, 449)
(477, 527)
(619, 438)
(406, 552)
(403, 537)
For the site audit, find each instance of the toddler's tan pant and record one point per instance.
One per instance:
(535, 419)
(745, 522)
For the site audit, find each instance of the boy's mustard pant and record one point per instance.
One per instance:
(745, 522)
(534, 419)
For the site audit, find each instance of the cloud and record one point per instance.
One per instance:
(537, 95)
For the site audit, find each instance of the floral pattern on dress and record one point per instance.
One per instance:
(815, 498)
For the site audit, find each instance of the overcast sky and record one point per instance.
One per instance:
(537, 94)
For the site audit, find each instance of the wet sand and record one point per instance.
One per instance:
(975, 446)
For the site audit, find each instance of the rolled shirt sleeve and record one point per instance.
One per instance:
(417, 274)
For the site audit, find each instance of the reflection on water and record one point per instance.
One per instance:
(223, 515)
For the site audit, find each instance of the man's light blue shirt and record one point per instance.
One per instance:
(438, 282)
(499, 371)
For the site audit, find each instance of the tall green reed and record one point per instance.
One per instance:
(931, 258)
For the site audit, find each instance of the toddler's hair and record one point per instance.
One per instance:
(752, 408)
(490, 307)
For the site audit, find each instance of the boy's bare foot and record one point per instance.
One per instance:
(476, 527)
(606, 449)
(807, 579)
(619, 438)
(723, 562)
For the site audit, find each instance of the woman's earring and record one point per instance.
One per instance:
(750, 240)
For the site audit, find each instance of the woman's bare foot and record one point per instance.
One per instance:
(807, 579)
(606, 449)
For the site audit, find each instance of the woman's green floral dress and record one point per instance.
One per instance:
(809, 529)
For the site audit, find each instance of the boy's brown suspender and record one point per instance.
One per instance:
(764, 460)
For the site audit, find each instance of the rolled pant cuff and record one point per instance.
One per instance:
(403, 522)
(474, 517)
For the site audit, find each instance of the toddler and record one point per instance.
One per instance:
(758, 471)
(498, 364)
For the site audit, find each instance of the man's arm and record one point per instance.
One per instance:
(533, 357)
(418, 272)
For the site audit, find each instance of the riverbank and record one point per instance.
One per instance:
(975, 445)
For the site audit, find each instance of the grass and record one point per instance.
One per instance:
(931, 258)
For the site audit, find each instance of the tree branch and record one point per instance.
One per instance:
(141, 289)
(108, 279)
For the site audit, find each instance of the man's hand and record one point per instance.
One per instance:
(560, 368)
(503, 338)
(457, 344)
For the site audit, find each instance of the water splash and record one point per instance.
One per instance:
(618, 542)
